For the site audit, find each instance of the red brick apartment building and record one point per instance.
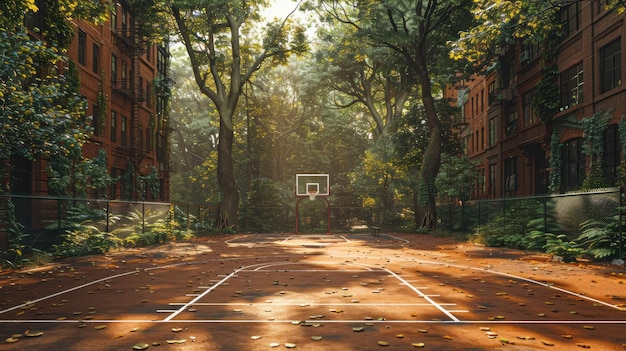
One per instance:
(503, 134)
(120, 76)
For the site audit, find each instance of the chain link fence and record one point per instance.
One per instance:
(44, 220)
(563, 212)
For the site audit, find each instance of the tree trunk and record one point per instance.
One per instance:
(228, 207)
(427, 212)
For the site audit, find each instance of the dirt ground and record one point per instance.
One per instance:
(314, 292)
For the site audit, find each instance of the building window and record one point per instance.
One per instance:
(482, 100)
(124, 83)
(113, 126)
(125, 22)
(511, 120)
(510, 174)
(570, 19)
(572, 86)
(113, 18)
(530, 117)
(123, 136)
(113, 69)
(82, 47)
(492, 96)
(95, 60)
(148, 94)
(612, 148)
(493, 132)
(573, 164)
(610, 66)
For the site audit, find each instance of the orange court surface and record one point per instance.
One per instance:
(314, 292)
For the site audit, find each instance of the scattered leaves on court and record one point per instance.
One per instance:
(33, 333)
(418, 344)
(383, 343)
(140, 346)
(179, 341)
(316, 338)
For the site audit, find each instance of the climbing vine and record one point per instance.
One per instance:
(556, 161)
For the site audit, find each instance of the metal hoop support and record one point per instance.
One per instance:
(312, 198)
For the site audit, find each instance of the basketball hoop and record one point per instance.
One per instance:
(312, 194)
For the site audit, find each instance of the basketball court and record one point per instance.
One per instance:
(313, 292)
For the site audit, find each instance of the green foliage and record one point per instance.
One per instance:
(149, 183)
(525, 226)
(13, 256)
(264, 209)
(81, 232)
(147, 228)
(561, 246)
(522, 224)
(43, 114)
(500, 22)
(546, 101)
(600, 238)
(457, 177)
(67, 177)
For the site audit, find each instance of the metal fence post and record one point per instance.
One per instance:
(545, 214)
(143, 216)
(108, 209)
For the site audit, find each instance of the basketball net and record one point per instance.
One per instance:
(312, 194)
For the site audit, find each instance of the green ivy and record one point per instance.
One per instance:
(13, 256)
(556, 162)
(546, 101)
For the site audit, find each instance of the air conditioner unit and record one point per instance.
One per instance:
(524, 57)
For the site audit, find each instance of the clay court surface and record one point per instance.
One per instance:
(314, 292)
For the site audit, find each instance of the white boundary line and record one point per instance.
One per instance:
(321, 321)
(30, 302)
(426, 297)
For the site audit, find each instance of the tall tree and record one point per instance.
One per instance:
(370, 76)
(418, 32)
(218, 36)
(43, 114)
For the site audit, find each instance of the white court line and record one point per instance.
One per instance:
(30, 302)
(185, 306)
(307, 304)
(536, 282)
(321, 321)
(426, 297)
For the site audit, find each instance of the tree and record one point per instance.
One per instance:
(499, 23)
(365, 75)
(411, 139)
(223, 59)
(417, 32)
(42, 113)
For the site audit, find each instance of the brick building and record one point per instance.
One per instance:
(124, 80)
(504, 135)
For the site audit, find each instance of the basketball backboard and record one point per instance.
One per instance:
(306, 183)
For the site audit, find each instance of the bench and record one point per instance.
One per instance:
(375, 231)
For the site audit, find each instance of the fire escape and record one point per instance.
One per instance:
(130, 39)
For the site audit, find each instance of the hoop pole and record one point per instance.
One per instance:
(298, 214)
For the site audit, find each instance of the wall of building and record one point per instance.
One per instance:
(513, 154)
